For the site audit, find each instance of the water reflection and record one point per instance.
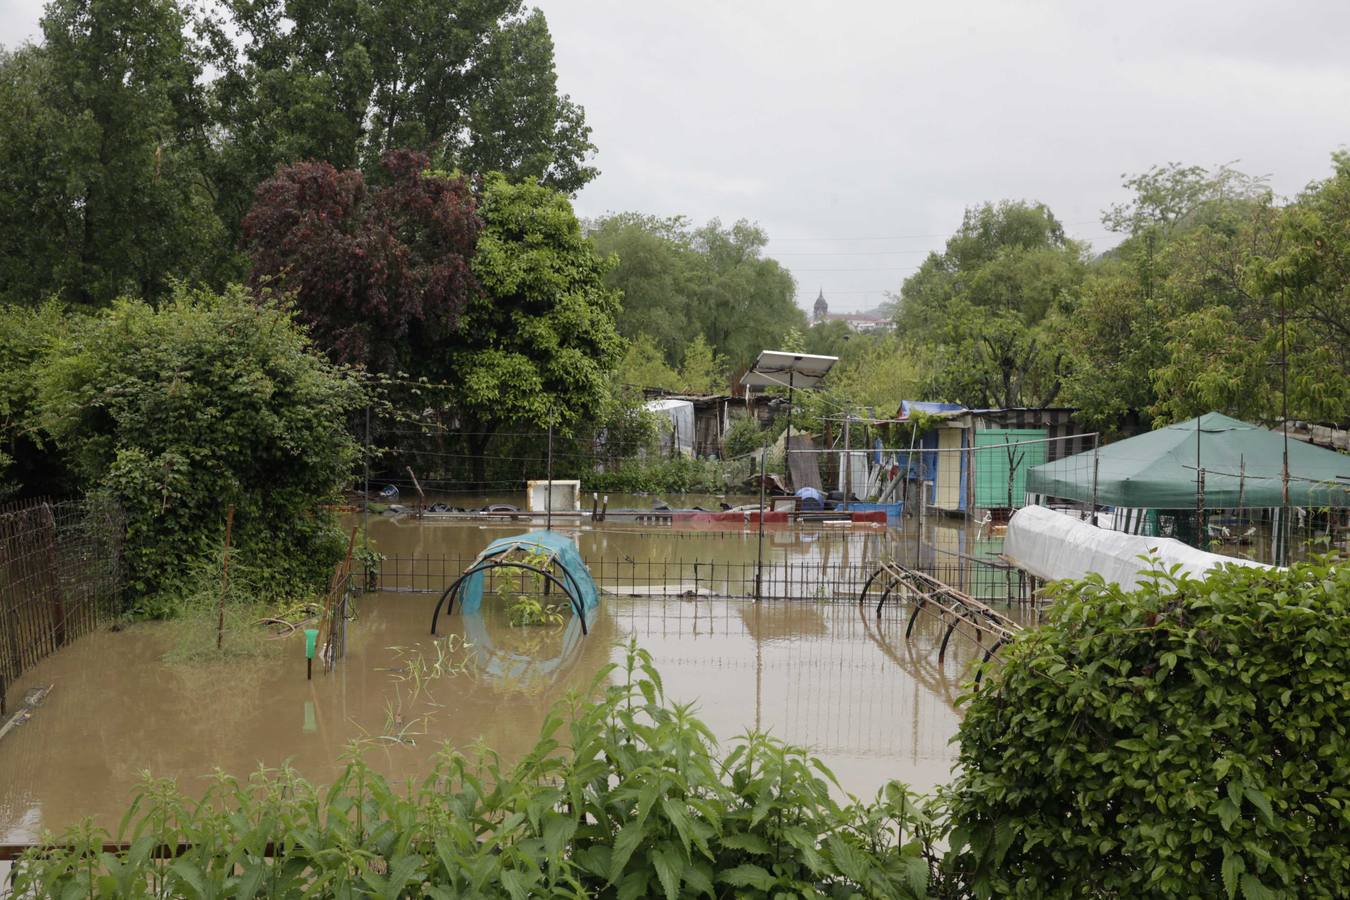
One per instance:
(824, 675)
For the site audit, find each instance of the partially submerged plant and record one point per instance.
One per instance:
(526, 610)
(626, 797)
(520, 592)
(413, 676)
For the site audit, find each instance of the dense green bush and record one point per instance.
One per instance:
(679, 475)
(27, 336)
(627, 798)
(182, 411)
(744, 437)
(1186, 740)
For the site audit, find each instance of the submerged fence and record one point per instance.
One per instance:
(60, 577)
(777, 579)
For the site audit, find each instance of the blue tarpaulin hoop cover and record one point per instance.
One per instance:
(559, 550)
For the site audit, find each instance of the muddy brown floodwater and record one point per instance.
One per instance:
(821, 674)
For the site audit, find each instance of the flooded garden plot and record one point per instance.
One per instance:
(826, 674)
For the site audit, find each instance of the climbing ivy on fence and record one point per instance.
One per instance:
(1185, 740)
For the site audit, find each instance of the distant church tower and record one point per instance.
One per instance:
(821, 309)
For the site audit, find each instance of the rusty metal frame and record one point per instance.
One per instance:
(953, 608)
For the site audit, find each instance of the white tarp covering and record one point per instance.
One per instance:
(854, 464)
(1052, 545)
(677, 434)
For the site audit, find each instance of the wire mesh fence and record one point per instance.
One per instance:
(988, 578)
(60, 577)
(778, 580)
(828, 676)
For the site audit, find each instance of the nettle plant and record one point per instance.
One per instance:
(625, 797)
(1189, 739)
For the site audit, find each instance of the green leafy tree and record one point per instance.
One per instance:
(876, 373)
(104, 137)
(472, 82)
(747, 303)
(537, 345)
(657, 272)
(1115, 340)
(212, 400)
(829, 338)
(644, 366)
(703, 371)
(983, 303)
(711, 281)
(1307, 280)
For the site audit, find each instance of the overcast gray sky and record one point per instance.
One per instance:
(856, 133)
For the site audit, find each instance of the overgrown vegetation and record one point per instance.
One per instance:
(521, 593)
(1188, 739)
(176, 413)
(678, 475)
(745, 436)
(199, 634)
(625, 797)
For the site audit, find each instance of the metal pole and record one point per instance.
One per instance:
(759, 559)
(365, 507)
(548, 500)
(1283, 556)
(1096, 468)
(787, 439)
(1200, 509)
(1199, 490)
(848, 460)
(1242, 490)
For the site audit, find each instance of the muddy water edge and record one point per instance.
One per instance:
(821, 674)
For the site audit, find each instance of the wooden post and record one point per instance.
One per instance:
(422, 497)
(326, 620)
(224, 580)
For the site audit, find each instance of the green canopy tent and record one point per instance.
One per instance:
(1243, 466)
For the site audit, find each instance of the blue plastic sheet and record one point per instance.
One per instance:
(570, 568)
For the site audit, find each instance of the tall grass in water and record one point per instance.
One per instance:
(626, 797)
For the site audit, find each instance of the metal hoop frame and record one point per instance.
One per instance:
(573, 595)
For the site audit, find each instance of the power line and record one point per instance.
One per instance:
(908, 251)
(865, 269)
(906, 237)
(885, 290)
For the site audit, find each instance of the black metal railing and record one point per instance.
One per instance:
(776, 579)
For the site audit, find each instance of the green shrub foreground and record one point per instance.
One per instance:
(627, 797)
(1185, 740)
(1188, 739)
